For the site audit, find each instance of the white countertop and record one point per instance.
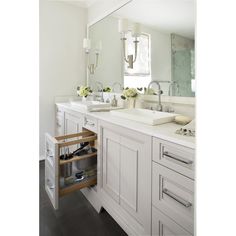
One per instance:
(164, 131)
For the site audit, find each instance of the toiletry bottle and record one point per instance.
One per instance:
(114, 102)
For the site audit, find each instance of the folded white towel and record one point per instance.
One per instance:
(188, 130)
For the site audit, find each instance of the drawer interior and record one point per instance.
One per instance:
(75, 162)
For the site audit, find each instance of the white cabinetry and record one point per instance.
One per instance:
(164, 226)
(126, 172)
(145, 183)
(73, 123)
(172, 189)
(59, 121)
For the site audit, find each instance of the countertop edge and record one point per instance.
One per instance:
(117, 121)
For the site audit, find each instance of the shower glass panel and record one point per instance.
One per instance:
(183, 71)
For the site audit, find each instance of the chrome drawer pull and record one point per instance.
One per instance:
(88, 122)
(180, 159)
(50, 185)
(177, 198)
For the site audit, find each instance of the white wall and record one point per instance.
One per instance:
(101, 8)
(62, 62)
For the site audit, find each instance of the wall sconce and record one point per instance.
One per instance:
(87, 46)
(123, 27)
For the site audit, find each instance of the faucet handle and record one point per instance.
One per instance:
(159, 108)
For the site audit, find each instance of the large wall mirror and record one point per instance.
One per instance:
(165, 47)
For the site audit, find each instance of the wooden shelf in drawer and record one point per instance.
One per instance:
(83, 184)
(78, 158)
(176, 157)
(82, 137)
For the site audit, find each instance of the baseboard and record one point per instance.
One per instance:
(92, 197)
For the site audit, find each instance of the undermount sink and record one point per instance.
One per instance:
(91, 105)
(146, 116)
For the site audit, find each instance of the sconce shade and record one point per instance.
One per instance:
(136, 30)
(99, 46)
(86, 43)
(123, 25)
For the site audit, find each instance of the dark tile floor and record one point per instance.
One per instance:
(76, 216)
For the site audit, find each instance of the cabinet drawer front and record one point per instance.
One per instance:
(173, 156)
(59, 121)
(90, 123)
(59, 110)
(173, 194)
(164, 226)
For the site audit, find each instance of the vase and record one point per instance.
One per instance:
(84, 99)
(131, 103)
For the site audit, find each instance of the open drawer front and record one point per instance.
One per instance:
(60, 178)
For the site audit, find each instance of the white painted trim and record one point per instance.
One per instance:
(92, 196)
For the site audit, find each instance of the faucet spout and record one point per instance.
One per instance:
(159, 107)
(101, 85)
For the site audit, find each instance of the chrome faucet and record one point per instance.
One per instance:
(114, 84)
(101, 85)
(159, 107)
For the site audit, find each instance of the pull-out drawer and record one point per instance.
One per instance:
(162, 225)
(173, 194)
(174, 156)
(57, 185)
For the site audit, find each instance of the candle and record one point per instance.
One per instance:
(123, 25)
(86, 43)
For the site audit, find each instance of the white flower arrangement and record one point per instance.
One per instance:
(84, 91)
(129, 93)
(107, 89)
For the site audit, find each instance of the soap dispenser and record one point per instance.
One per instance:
(114, 102)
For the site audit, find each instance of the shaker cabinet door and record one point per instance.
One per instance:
(111, 163)
(135, 177)
(126, 164)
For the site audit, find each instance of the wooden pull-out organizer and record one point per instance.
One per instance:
(53, 163)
